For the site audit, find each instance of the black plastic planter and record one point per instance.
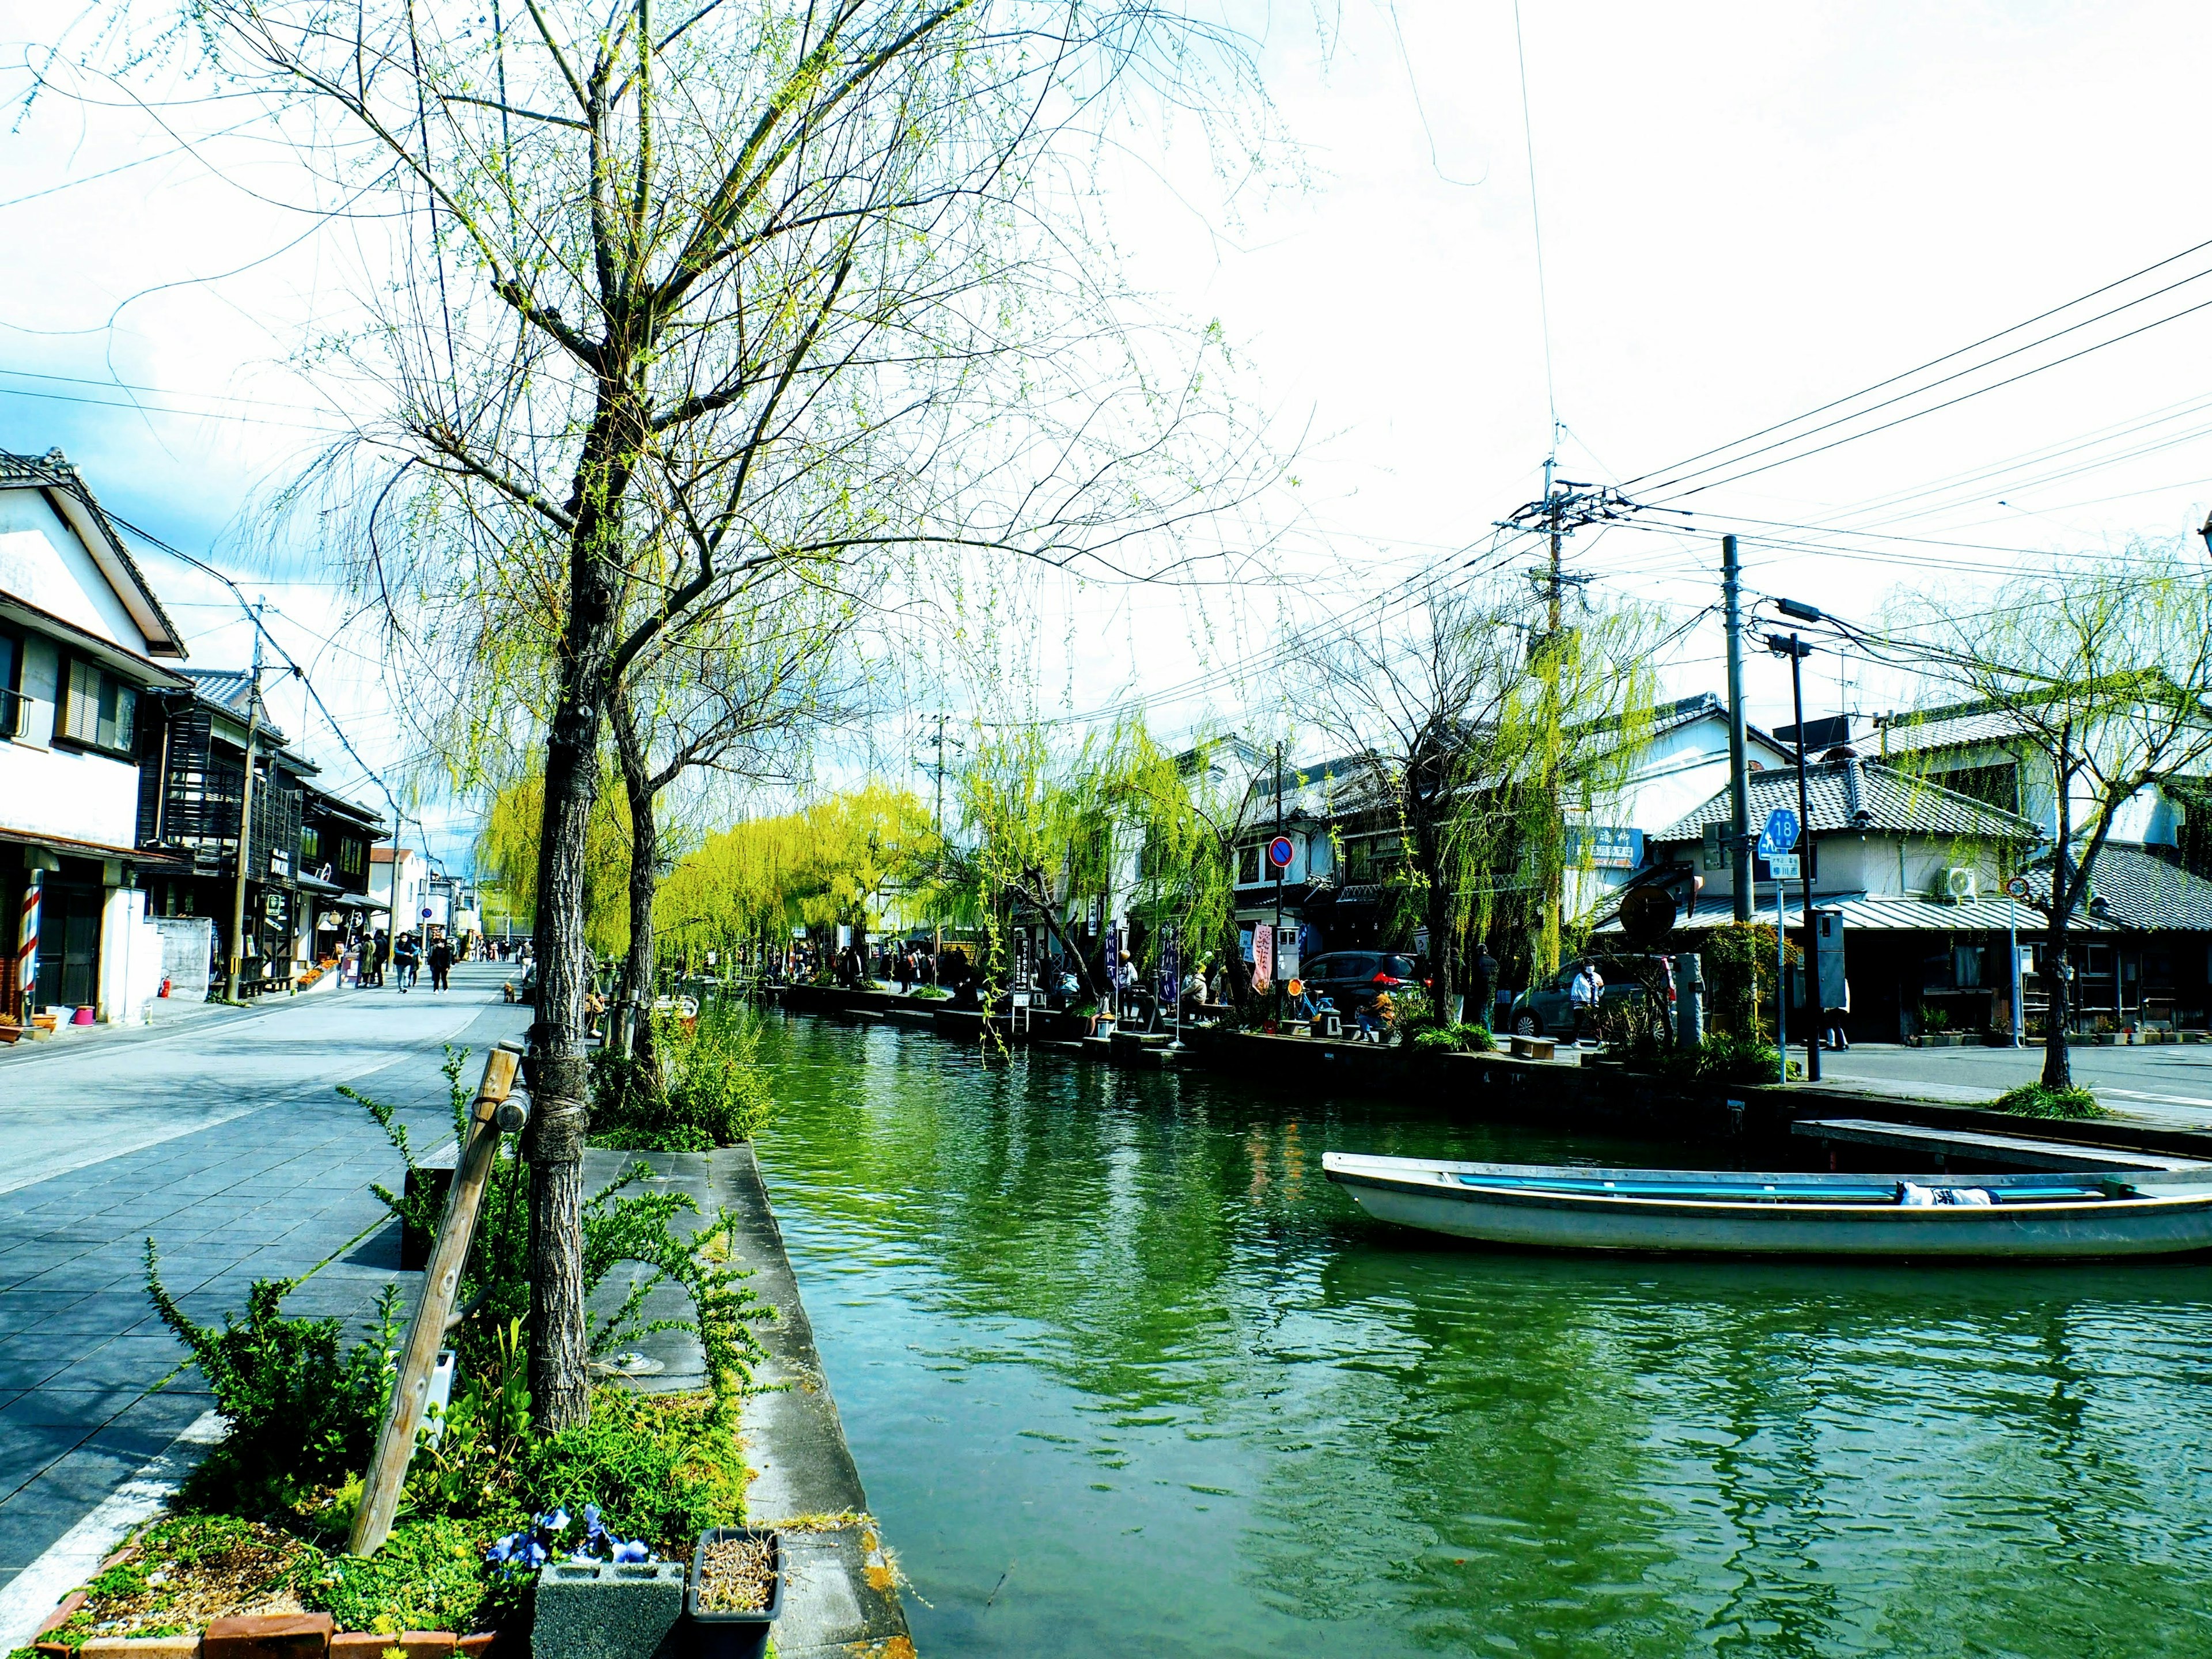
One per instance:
(733, 1635)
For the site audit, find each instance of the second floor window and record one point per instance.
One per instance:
(98, 710)
(311, 845)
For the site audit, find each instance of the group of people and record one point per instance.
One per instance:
(363, 962)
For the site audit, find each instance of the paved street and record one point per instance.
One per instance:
(2169, 1083)
(222, 1139)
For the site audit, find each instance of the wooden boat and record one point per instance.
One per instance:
(2122, 1211)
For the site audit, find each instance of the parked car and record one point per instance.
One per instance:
(1353, 979)
(1547, 1010)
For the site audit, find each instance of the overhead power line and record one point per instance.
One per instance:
(1934, 362)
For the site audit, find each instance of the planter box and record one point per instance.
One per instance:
(733, 1635)
(2104, 1039)
(1944, 1040)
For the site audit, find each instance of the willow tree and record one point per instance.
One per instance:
(2101, 684)
(507, 847)
(743, 694)
(824, 864)
(1108, 818)
(804, 282)
(1477, 736)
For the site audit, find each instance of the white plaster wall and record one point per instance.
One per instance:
(130, 949)
(68, 792)
(43, 563)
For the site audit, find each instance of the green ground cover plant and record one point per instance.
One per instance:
(1725, 1057)
(2040, 1100)
(1465, 1038)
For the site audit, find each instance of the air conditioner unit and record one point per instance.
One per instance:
(1959, 884)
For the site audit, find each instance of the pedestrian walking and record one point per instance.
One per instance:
(1584, 993)
(406, 962)
(442, 964)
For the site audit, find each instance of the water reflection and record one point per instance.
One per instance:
(1123, 1372)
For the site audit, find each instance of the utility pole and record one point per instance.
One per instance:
(1796, 650)
(1275, 970)
(937, 814)
(1551, 506)
(245, 816)
(1739, 758)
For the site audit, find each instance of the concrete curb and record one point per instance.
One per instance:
(75, 1556)
(841, 1595)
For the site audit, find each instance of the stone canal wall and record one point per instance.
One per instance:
(841, 1596)
(1597, 1094)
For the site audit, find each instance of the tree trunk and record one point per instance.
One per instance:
(2057, 1059)
(1443, 969)
(559, 1388)
(559, 1383)
(633, 1018)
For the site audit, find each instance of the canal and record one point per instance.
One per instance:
(1124, 1375)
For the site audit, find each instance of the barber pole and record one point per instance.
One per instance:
(27, 948)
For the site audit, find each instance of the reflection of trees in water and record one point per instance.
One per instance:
(1570, 1454)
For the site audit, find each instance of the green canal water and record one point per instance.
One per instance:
(1124, 1375)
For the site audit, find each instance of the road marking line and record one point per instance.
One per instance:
(74, 1557)
(2135, 1094)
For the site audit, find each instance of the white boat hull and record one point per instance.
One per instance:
(2168, 1217)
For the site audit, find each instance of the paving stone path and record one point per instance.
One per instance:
(226, 1142)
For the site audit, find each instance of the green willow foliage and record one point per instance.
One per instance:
(507, 854)
(824, 864)
(1116, 819)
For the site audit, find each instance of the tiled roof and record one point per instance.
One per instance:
(1860, 795)
(1963, 729)
(1876, 912)
(2138, 889)
(231, 689)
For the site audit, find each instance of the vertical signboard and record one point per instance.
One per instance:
(1263, 956)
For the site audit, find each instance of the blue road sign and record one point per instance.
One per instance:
(1780, 834)
(1279, 852)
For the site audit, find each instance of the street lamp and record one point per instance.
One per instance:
(1790, 645)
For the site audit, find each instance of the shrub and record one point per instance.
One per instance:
(430, 1574)
(715, 1093)
(662, 1468)
(495, 1291)
(1725, 1057)
(1461, 1039)
(1933, 1020)
(2039, 1100)
(930, 992)
(300, 1413)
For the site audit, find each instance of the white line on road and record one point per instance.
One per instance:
(76, 1554)
(2135, 1094)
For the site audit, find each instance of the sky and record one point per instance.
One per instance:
(1746, 212)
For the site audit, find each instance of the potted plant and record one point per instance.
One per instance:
(736, 1591)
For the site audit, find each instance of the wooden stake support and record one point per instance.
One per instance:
(493, 1114)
